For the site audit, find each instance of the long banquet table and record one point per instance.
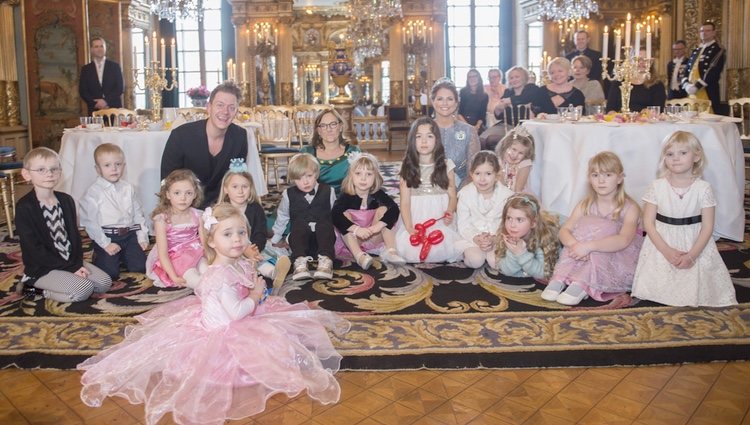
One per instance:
(143, 150)
(562, 151)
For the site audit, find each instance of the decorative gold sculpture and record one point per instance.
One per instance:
(155, 80)
(626, 70)
(14, 102)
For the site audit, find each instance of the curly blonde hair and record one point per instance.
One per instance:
(543, 233)
(164, 206)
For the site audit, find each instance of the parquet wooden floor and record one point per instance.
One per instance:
(699, 394)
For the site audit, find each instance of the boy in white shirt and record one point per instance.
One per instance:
(113, 216)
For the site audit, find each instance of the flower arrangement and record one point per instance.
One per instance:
(200, 92)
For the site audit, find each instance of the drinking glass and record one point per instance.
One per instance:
(85, 121)
(595, 109)
(653, 112)
(562, 112)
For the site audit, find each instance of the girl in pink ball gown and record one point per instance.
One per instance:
(222, 353)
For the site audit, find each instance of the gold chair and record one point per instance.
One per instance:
(274, 137)
(371, 132)
(304, 121)
(192, 113)
(8, 175)
(112, 116)
(737, 109)
(692, 104)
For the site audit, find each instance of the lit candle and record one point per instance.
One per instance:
(153, 48)
(247, 37)
(637, 39)
(276, 36)
(648, 42)
(163, 53)
(627, 31)
(234, 71)
(244, 72)
(618, 43)
(605, 42)
(148, 52)
(411, 36)
(229, 69)
(172, 55)
(403, 34)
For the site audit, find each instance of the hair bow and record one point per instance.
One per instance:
(521, 131)
(209, 219)
(237, 165)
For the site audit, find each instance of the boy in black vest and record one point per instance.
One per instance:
(307, 205)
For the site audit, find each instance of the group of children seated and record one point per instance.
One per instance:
(599, 251)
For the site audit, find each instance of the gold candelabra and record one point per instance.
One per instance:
(625, 71)
(155, 80)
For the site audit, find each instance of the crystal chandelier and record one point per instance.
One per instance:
(560, 10)
(368, 27)
(171, 9)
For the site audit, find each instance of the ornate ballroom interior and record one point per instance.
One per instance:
(283, 50)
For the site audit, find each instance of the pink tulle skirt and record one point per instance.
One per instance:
(183, 257)
(172, 363)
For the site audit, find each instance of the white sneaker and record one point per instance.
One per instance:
(572, 296)
(391, 256)
(553, 290)
(300, 268)
(325, 268)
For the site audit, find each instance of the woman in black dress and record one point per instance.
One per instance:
(472, 107)
(559, 92)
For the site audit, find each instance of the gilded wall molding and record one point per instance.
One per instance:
(4, 103)
(13, 102)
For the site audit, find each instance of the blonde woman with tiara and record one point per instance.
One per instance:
(601, 239)
(679, 264)
(526, 242)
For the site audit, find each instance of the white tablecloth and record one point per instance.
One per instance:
(559, 174)
(143, 151)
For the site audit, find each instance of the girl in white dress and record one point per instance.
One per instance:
(516, 155)
(480, 208)
(428, 198)
(679, 263)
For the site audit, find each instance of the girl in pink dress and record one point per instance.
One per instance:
(601, 239)
(221, 353)
(179, 235)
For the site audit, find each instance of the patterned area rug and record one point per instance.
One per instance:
(409, 317)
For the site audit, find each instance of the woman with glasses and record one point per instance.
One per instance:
(330, 149)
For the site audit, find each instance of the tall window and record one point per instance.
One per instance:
(199, 50)
(136, 38)
(536, 34)
(385, 82)
(473, 37)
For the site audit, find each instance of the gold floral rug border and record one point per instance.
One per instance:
(391, 335)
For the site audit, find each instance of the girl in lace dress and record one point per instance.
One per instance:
(428, 197)
(480, 207)
(221, 353)
(679, 263)
(177, 223)
(601, 239)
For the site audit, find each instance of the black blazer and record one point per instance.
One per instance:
(187, 147)
(679, 93)
(37, 247)
(256, 218)
(353, 202)
(110, 89)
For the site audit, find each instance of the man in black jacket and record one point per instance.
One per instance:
(100, 84)
(676, 69)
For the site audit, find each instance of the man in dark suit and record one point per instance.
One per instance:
(704, 68)
(581, 39)
(676, 70)
(100, 84)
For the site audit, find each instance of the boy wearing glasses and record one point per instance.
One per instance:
(47, 228)
(113, 216)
